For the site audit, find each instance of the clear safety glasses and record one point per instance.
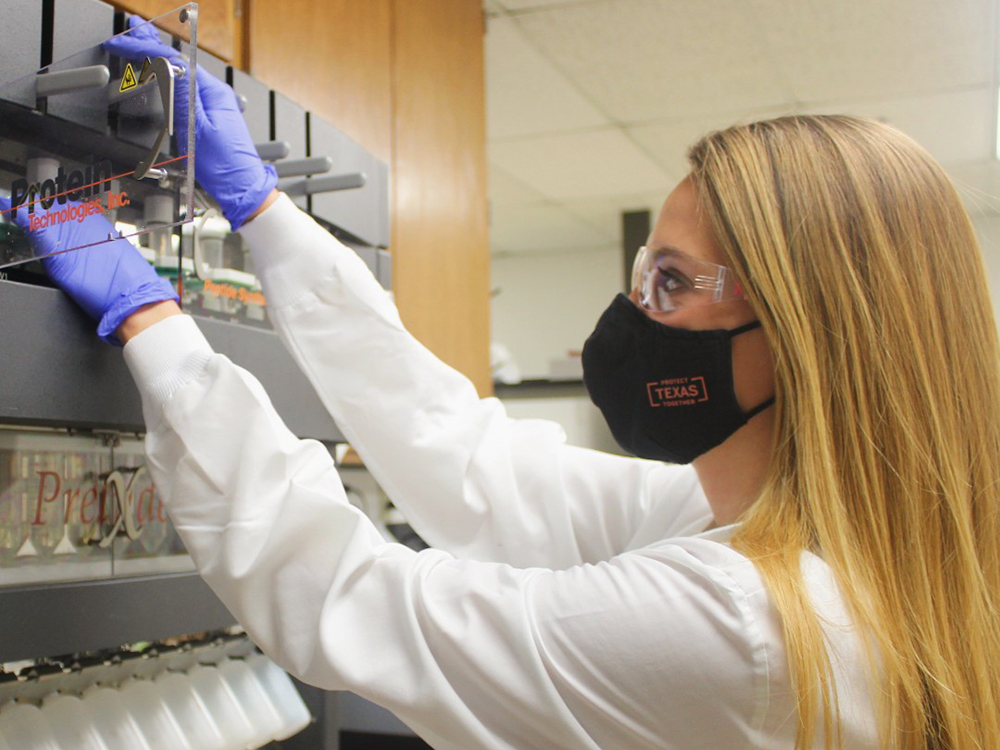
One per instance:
(667, 279)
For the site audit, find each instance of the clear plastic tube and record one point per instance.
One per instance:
(250, 693)
(217, 696)
(71, 724)
(281, 690)
(25, 726)
(116, 726)
(191, 712)
(143, 701)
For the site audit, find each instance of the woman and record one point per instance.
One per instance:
(810, 327)
(862, 267)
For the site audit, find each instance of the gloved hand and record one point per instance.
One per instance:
(226, 163)
(110, 281)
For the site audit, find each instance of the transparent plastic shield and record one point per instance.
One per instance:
(102, 132)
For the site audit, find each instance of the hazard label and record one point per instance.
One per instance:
(144, 75)
(129, 81)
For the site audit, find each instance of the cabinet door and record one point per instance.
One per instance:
(217, 23)
(334, 58)
(439, 228)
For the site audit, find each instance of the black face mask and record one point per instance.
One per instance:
(666, 393)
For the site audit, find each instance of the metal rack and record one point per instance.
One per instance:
(56, 374)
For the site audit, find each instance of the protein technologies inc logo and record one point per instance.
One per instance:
(87, 191)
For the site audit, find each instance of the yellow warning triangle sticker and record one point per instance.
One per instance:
(128, 79)
(145, 71)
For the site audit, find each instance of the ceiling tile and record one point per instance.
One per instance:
(851, 50)
(580, 165)
(542, 228)
(534, 4)
(954, 127)
(606, 214)
(641, 60)
(505, 190)
(524, 92)
(668, 141)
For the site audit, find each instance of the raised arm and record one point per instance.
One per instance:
(470, 479)
(469, 654)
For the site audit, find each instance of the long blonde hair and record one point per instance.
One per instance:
(861, 262)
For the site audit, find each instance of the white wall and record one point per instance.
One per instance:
(546, 308)
(988, 232)
(548, 304)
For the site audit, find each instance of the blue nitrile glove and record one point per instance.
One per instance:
(226, 162)
(109, 281)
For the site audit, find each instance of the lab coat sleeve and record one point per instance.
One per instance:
(469, 479)
(470, 654)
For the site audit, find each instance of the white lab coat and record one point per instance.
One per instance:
(570, 600)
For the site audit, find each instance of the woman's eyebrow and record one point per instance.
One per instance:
(675, 253)
(668, 249)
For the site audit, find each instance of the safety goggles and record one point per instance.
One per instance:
(667, 279)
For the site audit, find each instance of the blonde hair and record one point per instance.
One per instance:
(860, 260)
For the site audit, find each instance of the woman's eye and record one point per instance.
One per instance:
(669, 281)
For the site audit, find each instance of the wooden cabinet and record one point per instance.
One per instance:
(440, 221)
(219, 29)
(405, 79)
(334, 58)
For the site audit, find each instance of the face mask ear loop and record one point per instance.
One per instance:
(744, 328)
(759, 408)
(769, 402)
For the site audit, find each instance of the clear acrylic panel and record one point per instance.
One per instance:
(147, 541)
(52, 508)
(111, 138)
(77, 507)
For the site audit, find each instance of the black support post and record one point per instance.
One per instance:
(635, 231)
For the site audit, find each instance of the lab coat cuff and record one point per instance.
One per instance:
(288, 246)
(163, 358)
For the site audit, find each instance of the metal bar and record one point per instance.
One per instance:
(58, 619)
(273, 150)
(348, 181)
(67, 377)
(303, 167)
(70, 81)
